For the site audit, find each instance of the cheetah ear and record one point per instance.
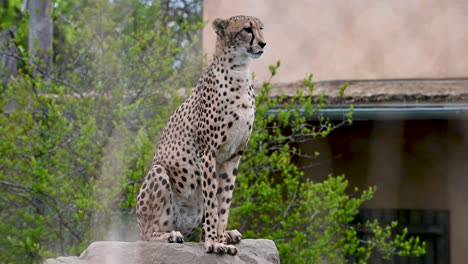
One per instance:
(219, 25)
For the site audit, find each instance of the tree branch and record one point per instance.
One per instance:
(43, 73)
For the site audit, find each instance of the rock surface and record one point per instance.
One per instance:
(251, 251)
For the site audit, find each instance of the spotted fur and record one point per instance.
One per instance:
(194, 168)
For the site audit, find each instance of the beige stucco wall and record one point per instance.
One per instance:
(359, 39)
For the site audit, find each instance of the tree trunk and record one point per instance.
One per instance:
(41, 30)
(8, 63)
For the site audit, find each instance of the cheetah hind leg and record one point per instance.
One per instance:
(233, 236)
(155, 209)
(170, 237)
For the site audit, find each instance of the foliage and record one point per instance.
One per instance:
(76, 142)
(10, 14)
(309, 222)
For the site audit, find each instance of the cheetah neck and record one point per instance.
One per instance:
(233, 63)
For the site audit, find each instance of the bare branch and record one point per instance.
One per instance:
(44, 73)
(14, 186)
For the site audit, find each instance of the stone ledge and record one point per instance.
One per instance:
(258, 251)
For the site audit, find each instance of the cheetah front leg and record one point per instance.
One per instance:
(227, 176)
(211, 223)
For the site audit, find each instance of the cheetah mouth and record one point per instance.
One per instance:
(257, 53)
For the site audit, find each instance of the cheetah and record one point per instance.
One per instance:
(192, 175)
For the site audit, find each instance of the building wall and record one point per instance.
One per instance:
(408, 161)
(415, 164)
(457, 174)
(356, 39)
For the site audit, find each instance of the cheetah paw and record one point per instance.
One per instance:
(233, 236)
(220, 248)
(231, 250)
(175, 237)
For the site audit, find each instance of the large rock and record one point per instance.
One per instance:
(112, 252)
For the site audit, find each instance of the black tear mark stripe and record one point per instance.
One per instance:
(252, 32)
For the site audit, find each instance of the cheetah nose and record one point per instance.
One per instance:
(261, 44)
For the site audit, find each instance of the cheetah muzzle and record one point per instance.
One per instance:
(192, 176)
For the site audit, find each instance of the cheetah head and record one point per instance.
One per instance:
(241, 35)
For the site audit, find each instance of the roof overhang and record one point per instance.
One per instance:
(395, 112)
(400, 99)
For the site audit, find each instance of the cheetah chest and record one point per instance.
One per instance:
(239, 129)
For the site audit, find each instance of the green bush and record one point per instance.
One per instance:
(76, 142)
(310, 222)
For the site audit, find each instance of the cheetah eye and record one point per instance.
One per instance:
(261, 28)
(248, 30)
